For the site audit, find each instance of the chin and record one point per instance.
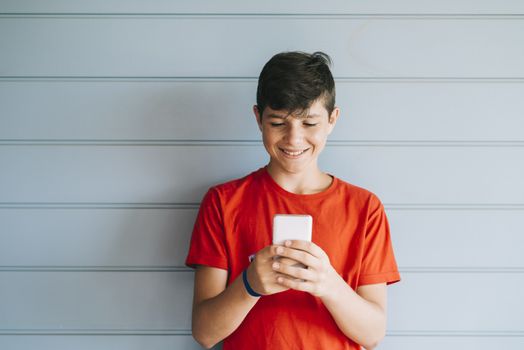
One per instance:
(296, 169)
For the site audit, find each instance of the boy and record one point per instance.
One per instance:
(338, 300)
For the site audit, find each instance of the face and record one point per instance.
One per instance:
(295, 142)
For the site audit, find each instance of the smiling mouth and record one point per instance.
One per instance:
(293, 153)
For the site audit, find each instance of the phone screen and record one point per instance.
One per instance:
(291, 227)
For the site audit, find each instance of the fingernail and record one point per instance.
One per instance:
(288, 243)
(276, 266)
(280, 250)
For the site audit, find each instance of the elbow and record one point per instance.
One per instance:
(372, 344)
(199, 333)
(203, 341)
(206, 345)
(376, 336)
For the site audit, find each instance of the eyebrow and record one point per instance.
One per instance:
(314, 116)
(273, 115)
(278, 116)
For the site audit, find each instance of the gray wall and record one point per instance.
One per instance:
(116, 116)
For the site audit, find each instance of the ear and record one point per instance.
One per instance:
(258, 117)
(333, 119)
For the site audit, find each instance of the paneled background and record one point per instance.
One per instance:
(116, 116)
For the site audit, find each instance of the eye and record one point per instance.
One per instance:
(276, 124)
(310, 124)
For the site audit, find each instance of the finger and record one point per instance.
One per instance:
(299, 256)
(306, 246)
(267, 253)
(296, 272)
(295, 284)
(287, 261)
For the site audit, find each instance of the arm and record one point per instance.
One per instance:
(360, 315)
(219, 310)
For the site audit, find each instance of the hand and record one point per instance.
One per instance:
(260, 274)
(318, 278)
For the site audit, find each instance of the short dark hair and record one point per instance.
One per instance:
(292, 81)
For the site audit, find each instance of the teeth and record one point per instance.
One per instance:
(297, 153)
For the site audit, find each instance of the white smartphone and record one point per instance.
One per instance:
(291, 227)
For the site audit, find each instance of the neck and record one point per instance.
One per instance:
(305, 182)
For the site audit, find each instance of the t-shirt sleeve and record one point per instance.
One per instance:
(378, 264)
(207, 246)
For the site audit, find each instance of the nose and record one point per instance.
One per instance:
(294, 134)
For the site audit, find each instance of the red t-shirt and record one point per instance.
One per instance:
(349, 224)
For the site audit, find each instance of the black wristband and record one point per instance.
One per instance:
(250, 290)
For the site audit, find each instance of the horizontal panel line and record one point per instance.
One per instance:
(389, 206)
(458, 333)
(95, 332)
(338, 79)
(95, 269)
(72, 205)
(182, 332)
(201, 142)
(126, 78)
(296, 15)
(402, 270)
(462, 270)
(457, 206)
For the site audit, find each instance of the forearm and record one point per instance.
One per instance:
(359, 319)
(216, 318)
